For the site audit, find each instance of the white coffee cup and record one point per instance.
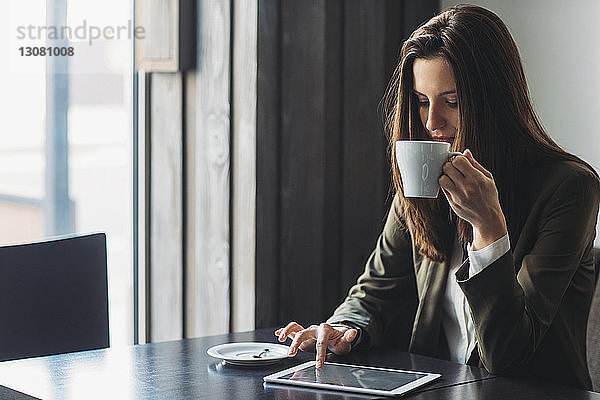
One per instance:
(420, 164)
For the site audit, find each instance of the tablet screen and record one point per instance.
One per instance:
(354, 376)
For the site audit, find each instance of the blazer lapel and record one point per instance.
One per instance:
(431, 286)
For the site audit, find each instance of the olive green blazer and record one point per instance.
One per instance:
(529, 307)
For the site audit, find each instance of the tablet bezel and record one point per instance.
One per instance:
(276, 378)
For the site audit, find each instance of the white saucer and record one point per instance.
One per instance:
(249, 353)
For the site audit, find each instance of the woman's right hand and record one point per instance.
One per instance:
(318, 338)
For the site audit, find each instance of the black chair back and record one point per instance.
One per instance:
(593, 331)
(53, 297)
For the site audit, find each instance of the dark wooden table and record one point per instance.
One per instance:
(182, 370)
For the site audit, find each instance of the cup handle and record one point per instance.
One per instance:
(454, 153)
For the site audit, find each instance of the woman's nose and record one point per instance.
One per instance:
(435, 119)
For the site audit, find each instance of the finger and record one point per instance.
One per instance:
(447, 184)
(292, 327)
(452, 172)
(319, 375)
(462, 164)
(323, 334)
(291, 335)
(472, 175)
(278, 332)
(453, 204)
(308, 345)
(344, 343)
(476, 164)
(308, 333)
(349, 335)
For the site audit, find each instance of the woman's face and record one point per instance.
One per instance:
(435, 91)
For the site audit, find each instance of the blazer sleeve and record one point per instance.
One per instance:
(386, 292)
(512, 311)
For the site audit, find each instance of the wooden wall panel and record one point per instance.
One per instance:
(310, 156)
(268, 122)
(166, 231)
(414, 14)
(191, 182)
(333, 167)
(302, 149)
(160, 20)
(370, 48)
(208, 264)
(322, 170)
(168, 40)
(243, 234)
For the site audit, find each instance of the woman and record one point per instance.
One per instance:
(498, 272)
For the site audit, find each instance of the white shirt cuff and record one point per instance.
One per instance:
(479, 259)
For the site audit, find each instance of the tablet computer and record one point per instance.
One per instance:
(353, 378)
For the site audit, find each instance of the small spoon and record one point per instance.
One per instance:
(261, 354)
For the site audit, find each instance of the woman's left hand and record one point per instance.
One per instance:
(472, 194)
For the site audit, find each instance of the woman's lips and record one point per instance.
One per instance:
(447, 139)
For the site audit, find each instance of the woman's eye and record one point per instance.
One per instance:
(422, 102)
(452, 104)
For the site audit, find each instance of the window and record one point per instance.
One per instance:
(66, 152)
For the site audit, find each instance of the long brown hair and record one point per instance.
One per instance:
(496, 119)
